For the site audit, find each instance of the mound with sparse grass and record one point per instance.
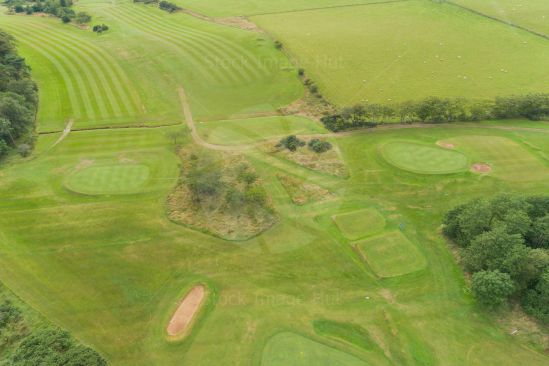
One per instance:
(221, 195)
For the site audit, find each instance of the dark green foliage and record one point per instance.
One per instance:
(204, 178)
(8, 314)
(291, 143)
(100, 28)
(439, 110)
(82, 18)
(301, 72)
(319, 146)
(59, 8)
(246, 175)
(492, 288)
(167, 6)
(18, 96)
(508, 235)
(54, 347)
(278, 45)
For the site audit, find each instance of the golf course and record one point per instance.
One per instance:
(184, 202)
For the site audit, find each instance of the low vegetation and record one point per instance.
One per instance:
(18, 99)
(302, 192)
(58, 8)
(221, 195)
(164, 5)
(27, 339)
(505, 245)
(439, 110)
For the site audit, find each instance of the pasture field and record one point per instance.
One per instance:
(410, 50)
(358, 224)
(531, 14)
(98, 80)
(224, 8)
(391, 255)
(423, 158)
(111, 268)
(244, 131)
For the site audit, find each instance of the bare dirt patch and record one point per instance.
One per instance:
(481, 168)
(84, 163)
(186, 312)
(446, 145)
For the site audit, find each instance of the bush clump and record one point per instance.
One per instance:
(291, 143)
(319, 146)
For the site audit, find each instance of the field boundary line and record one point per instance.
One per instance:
(65, 132)
(325, 8)
(511, 24)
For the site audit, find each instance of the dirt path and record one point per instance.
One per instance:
(186, 311)
(65, 132)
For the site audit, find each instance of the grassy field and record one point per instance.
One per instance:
(531, 14)
(423, 159)
(410, 50)
(97, 80)
(358, 224)
(84, 235)
(243, 131)
(110, 267)
(224, 8)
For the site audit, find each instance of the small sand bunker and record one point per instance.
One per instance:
(481, 168)
(186, 311)
(446, 145)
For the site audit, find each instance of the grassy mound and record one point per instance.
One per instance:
(109, 179)
(358, 224)
(347, 332)
(292, 349)
(423, 159)
(391, 255)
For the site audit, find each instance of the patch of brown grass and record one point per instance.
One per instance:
(302, 192)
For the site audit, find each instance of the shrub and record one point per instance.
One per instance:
(301, 72)
(278, 45)
(319, 146)
(169, 7)
(24, 150)
(291, 143)
(82, 18)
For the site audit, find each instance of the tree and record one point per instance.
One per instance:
(99, 29)
(492, 288)
(204, 178)
(175, 135)
(291, 143)
(82, 18)
(536, 301)
(538, 234)
(319, 146)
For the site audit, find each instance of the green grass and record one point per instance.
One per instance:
(391, 255)
(531, 14)
(223, 8)
(410, 50)
(351, 333)
(98, 80)
(245, 131)
(110, 267)
(109, 179)
(295, 350)
(508, 159)
(358, 224)
(423, 159)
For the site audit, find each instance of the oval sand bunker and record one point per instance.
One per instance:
(481, 168)
(186, 311)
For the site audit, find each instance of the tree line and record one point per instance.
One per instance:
(58, 8)
(164, 5)
(18, 100)
(439, 110)
(505, 246)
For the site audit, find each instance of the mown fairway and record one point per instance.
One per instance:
(410, 50)
(531, 14)
(362, 278)
(111, 267)
(99, 80)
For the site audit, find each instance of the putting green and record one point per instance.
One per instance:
(423, 159)
(109, 179)
(392, 255)
(289, 349)
(358, 224)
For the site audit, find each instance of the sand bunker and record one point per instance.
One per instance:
(481, 168)
(446, 145)
(186, 311)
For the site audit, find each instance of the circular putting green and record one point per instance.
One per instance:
(109, 179)
(423, 159)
